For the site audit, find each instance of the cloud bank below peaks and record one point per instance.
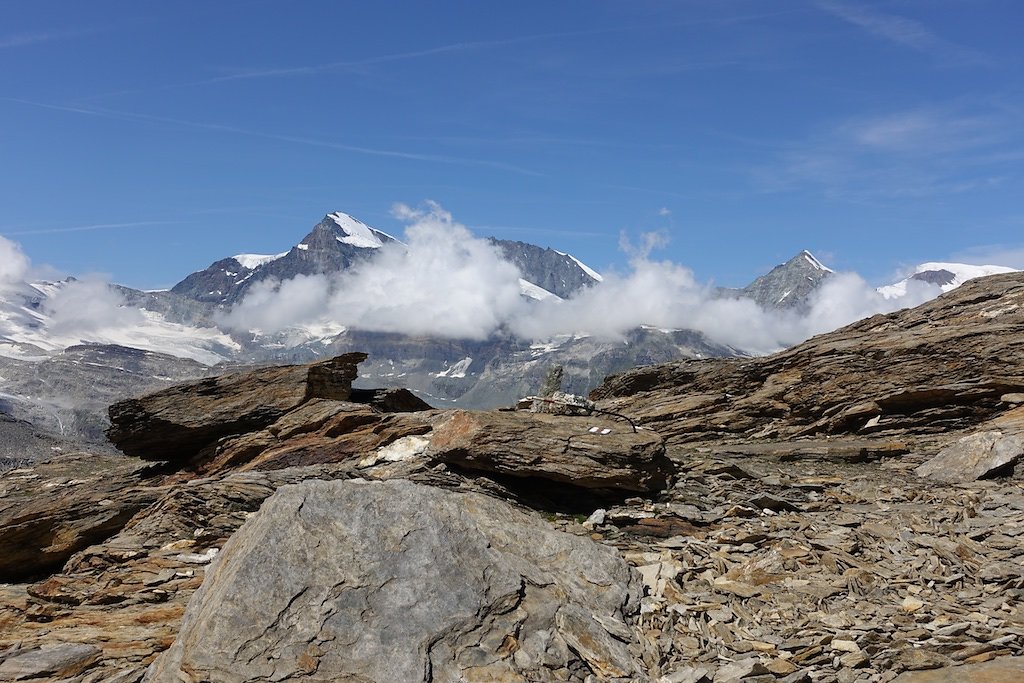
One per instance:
(442, 282)
(446, 282)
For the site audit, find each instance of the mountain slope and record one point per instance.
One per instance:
(955, 361)
(558, 273)
(788, 286)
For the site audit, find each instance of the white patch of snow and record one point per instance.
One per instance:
(358, 234)
(815, 263)
(457, 370)
(586, 269)
(532, 291)
(302, 247)
(783, 297)
(252, 261)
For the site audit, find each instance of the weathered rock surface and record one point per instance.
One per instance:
(796, 543)
(62, 660)
(943, 366)
(174, 424)
(317, 432)
(973, 457)
(585, 452)
(395, 581)
(50, 511)
(1004, 670)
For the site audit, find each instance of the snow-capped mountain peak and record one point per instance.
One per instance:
(947, 276)
(815, 263)
(357, 233)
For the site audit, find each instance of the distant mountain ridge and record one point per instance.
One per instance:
(340, 240)
(166, 336)
(947, 276)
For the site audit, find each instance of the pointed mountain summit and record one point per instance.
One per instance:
(335, 243)
(340, 240)
(788, 286)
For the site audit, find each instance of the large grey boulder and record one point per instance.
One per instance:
(974, 457)
(396, 581)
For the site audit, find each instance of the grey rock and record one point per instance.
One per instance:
(396, 581)
(974, 457)
(556, 272)
(62, 660)
(788, 286)
(1002, 670)
(740, 670)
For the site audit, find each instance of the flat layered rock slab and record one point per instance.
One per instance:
(51, 510)
(65, 659)
(396, 581)
(1002, 670)
(585, 452)
(177, 422)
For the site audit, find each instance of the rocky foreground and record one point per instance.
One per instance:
(846, 510)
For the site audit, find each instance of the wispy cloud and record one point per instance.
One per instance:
(13, 40)
(912, 153)
(87, 228)
(993, 254)
(311, 142)
(906, 32)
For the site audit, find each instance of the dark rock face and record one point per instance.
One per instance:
(176, 423)
(935, 277)
(939, 367)
(404, 583)
(556, 272)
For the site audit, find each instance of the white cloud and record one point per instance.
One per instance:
(446, 282)
(14, 265)
(920, 152)
(664, 211)
(86, 306)
(442, 282)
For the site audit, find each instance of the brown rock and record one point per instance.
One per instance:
(53, 510)
(585, 452)
(941, 366)
(176, 423)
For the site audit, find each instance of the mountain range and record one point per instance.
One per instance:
(70, 348)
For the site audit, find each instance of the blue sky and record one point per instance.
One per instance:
(145, 140)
